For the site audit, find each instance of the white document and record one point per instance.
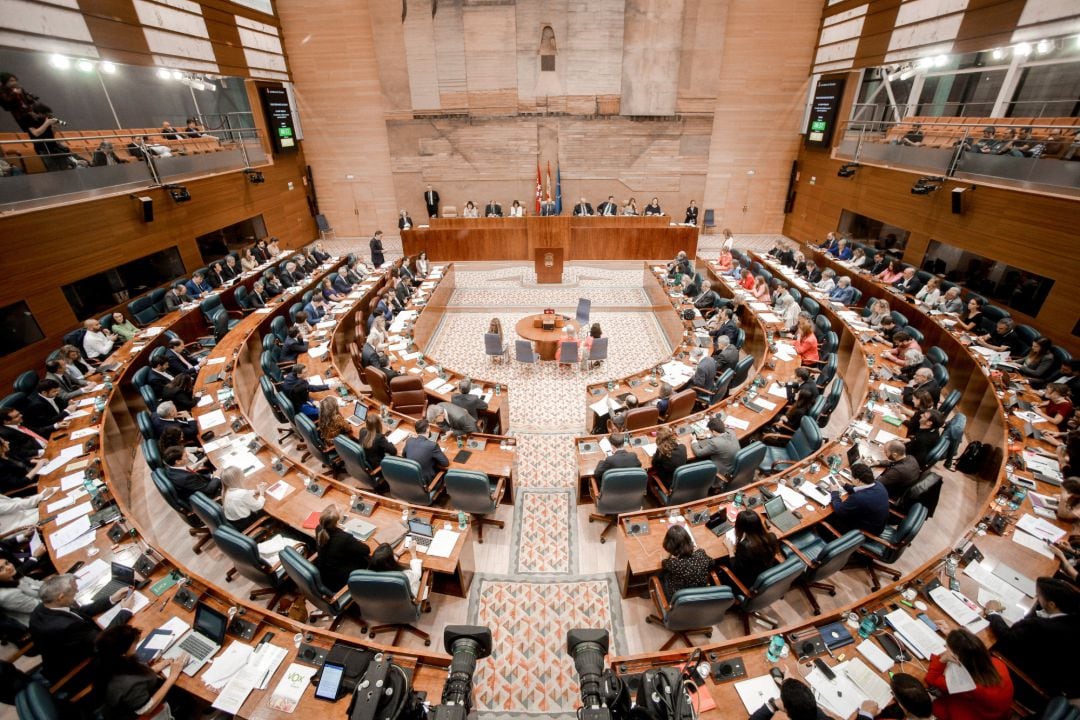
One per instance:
(78, 543)
(60, 504)
(958, 679)
(318, 352)
(1040, 528)
(432, 384)
(839, 695)
(869, 682)
(877, 657)
(291, 687)
(954, 606)
(777, 390)
(74, 513)
(736, 423)
(649, 448)
(227, 664)
(755, 692)
(205, 400)
(316, 380)
(211, 419)
(768, 317)
(916, 634)
(106, 617)
(397, 435)
(87, 402)
(66, 455)
(793, 499)
(1012, 612)
(279, 490)
(810, 490)
(767, 404)
(1032, 543)
(83, 432)
(993, 584)
(89, 574)
(442, 545)
(215, 361)
(883, 436)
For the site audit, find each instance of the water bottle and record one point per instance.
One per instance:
(462, 520)
(498, 389)
(405, 516)
(776, 649)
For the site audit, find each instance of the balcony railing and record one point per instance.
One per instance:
(82, 164)
(1038, 155)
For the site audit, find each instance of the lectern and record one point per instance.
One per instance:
(548, 263)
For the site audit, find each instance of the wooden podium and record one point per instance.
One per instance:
(548, 263)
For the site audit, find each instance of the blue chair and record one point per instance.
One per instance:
(168, 492)
(900, 318)
(832, 401)
(387, 598)
(941, 375)
(146, 426)
(689, 483)
(710, 396)
(279, 328)
(146, 391)
(14, 400)
(915, 333)
(142, 310)
(811, 306)
(937, 356)
(270, 368)
(308, 580)
(356, 463)
(827, 372)
(745, 467)
(494, 346)
(822, 559)
(690, 610)
(34, 702)
(770, 586)
(949, 403)
(568, 352)
(803, 443)
(926, 491)
(473, 492)
(406, 481)
(244, 553)
(524, 353)
(742, 371)
(621, 490)
(885, 549)
(584, 307)
(152, 455)
(598, 352)
(307, 431)
(26, 382)
(740, 338)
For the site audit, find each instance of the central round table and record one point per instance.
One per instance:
(546, 341)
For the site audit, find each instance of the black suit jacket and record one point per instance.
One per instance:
(493, 210)
(340, 555)
(472, 403)
(428, 454)
(814, 277)
(188, 483)
(1026, 644)
(607, 208)
(23, 447)
(583, 209)
(618, 459)
(66, 638)
(289, 279)
(157, 382)
(867, 509)
(291, 349)
(431, 200)
(41, 416)
(691, 216)
(189, 429)
(177, 364)
(909, 287)
(899, 476)
(401, 222)
(929, 386)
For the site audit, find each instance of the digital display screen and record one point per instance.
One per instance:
(279, 117)
(826, 104)
(329, 682)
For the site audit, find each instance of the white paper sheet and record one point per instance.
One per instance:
(1040, 528)
(397, 435)
(877, 657)
(839, 695)
(76, 512)
(229, 662)
(755, 692)
(870, 683)
(215, 361)
(442, 545)
(1032, 543)
(66, 455)
(736, 423)
(66, 501)
(211, 419)
(78, 543)
(954, 605)
(106, 617)
(993, 584)
(291, 687)
(83, 432)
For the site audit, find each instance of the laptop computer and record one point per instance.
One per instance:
(359, 414)
(779, 515)
(122, 577)
(854, 454)
(421, 532)
(203, 640)
(1031, 432)
(1018, 580)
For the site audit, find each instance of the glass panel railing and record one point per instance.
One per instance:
(1041, 155)
(79, 165)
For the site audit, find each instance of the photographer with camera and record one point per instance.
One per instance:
(55, 155)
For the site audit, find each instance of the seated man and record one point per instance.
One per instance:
(44, 411)
(1003, 338)
(316, 309)
(723, 323)
(97, 341)
(681, 265)
(472, 404)
(619, 458)
(371, 357)
(843, 293)
(25, 444)
(63, 632)
(866, 506)
(583, 208)
(186, 482)
(608, 207)
(176, 296)
(726, 355)
(293, 347)
(951, 302)
(425, 452)
(705, 373)
(166, 416)
(926, 436)
(922, 380)
(708, 299)
(296, 384)
(901, 471)
(179, 360)
(198, 286)
(720, 445)
(909, 283)
(448, 416)
(796, 701)
(913, 137)
(493, 209)
(56, 369)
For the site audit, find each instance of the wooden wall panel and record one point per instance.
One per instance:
(1029, 231)
(72, 242)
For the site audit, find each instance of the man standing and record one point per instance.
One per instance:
(608, 209)
(431, 200)
(691, 214)
(377, 258)
(583, 208)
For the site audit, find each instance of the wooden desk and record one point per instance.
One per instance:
(546, 341)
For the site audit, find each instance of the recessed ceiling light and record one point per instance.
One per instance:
(60, 62)
(107, 67)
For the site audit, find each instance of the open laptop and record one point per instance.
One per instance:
(122, 577)
(779, 515)
(854, 454)
(1021, 582)
(203, 640)
(359, 414)
(421, 532)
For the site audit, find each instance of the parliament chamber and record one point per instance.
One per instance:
(615, 359)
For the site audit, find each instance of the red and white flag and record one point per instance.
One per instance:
(539, 187)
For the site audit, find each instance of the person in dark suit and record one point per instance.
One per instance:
(813, 272)
(159, 375)
(197, 286)
(692, 215)
(296, 382)
(901, 471)
(56, 369)
(1054, 623)
(25, 444)
(165, 416)
(705, 373)
(720, 446)
(179, 361)
(723, 323)
(619, 458)
(188, 483)
(371, 357)
(583, 208)
(926, 436)
(608, 207)
(923, 379)
(548, 208)
(493, 209)
(319, 254)
(796, 700)
(431, 202)
(448, 416)
(708, 299)
(877, 264)
(175, 297)
(866, 506)
(272, 284)
(341, 285)
(63, 632)
(290, 275)
(909, 283)
(180, 392)
(293, 346)
(472, 404)
(339, 552)
(44, 410)
(426, 453)
(105, 155)
(376, 247)
(258, 297)
(315, 309)
(229, 269)
(726, 355)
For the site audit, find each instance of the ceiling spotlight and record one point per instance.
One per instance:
(1023, 49)
(60, 62)
(999, 53)
(847, 170)
(254, 176)
(84, 65)
(107, 67)
(176, 74)
(941, 61)
(926, 185)
(1044, 46)
(164, 74)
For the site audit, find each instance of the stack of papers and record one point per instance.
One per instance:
(956, 606)
(810, 490)
(916, 634)
(443, 543)
(1040, 528)
(211, 419)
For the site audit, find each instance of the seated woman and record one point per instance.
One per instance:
(902, 343)
(670, 455)
(495, 328)
(339, 552)
(587, 343)
(1058, 407)
(18, 598)
(664, 400)
(724, 261)
(790, 421)
(971, 317)
(374, 442)
(179, 391)
(422, 265)
(879, 310)
(470, 210)
(516, 210)
(329, 293)
(930, 293)
(761, 289)
(827, 282)
(383, 560)
(242, 506)
(992, 697)
(331, 421)
(1068, 508)
(806, 342)
(891, 274)
(127, 688)
(685, 566)
(630, 208)
(653, 208)
(858, 257)
(248, 261)
(377, 333)
(1039, 360)
(123, 327)
(755, 549)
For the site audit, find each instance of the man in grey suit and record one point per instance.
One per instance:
(705, 374)
(57, 370)
(720, 446)
(175, 297)
(449, 416)
(472, 404)
(428, 454)
(727, 355)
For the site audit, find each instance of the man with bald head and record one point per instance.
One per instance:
(901, 470)
(922, 380)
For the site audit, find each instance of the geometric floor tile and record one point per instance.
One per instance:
(543, 525)
(545, 461)
(529, 671)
